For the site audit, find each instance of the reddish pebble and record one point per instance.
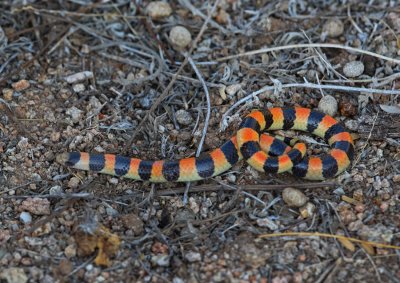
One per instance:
(21, 85)
(347, 109)
(360, 208)
(384, 206)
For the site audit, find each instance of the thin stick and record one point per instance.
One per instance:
(366, 142)
(317, 234)
(216, 187)
(207, 120)
(305, 85)
(308, 45)
(194, 81)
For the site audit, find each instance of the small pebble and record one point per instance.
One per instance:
(339, 191)
(180, 37)
(352, 125)
(132, 221)
(89, 267)
(222, 17)
(355, 225)
(42, 230)
(158, 9)
(75, 114)
(233, 89)
(183, 117)
(14, 275)
(347, 216)
(56, 190)
(384, 206)
(37, 206)
(184, 136)
(193, 256)
(194, 206)
(114, 181)
(79, 77)
(294, 197)
(25, 217)
(159, 248)
(21, 85)
(307, 210)
(360, 208)
(73, 182)
(312, 75)
(385, 182)
(70, 251)
(265, 58)
(55, 136)
(7, 93)
(328, 105)
(231, 178)
(111, 212)
(266, 222)
(177, 280)
(160, 260)
(353, 69)
(65, 266)
(78, 88)
(347, 109)
(333, 28)
(23, 144)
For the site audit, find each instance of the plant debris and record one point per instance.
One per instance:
(113, 77)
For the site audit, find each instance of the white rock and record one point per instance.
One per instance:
(161, 260)
(74, 113)
(193, 256)
(114, 181)
(333, 28)
(79, 77)
(353, 69)
(158, 9)
(78, 88)
(14, 275)
(307, 211)
(352, 125)
(233, 89)
(56, 190)
(180, 37)
(328, 105)
(25, 217)
(294, 197)
(183, 117)
(266, 222)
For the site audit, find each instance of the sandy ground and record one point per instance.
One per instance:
(103, 77)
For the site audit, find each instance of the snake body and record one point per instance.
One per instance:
(263, 152)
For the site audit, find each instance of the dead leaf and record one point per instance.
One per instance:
(368, 248)
(102, 239)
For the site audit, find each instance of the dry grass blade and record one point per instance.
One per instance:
(347, 244)
(324, 235)
(309, 45)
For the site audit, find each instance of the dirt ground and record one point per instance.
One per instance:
(119, 77)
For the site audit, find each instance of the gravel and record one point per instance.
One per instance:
(353, 69)
(122, 62)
